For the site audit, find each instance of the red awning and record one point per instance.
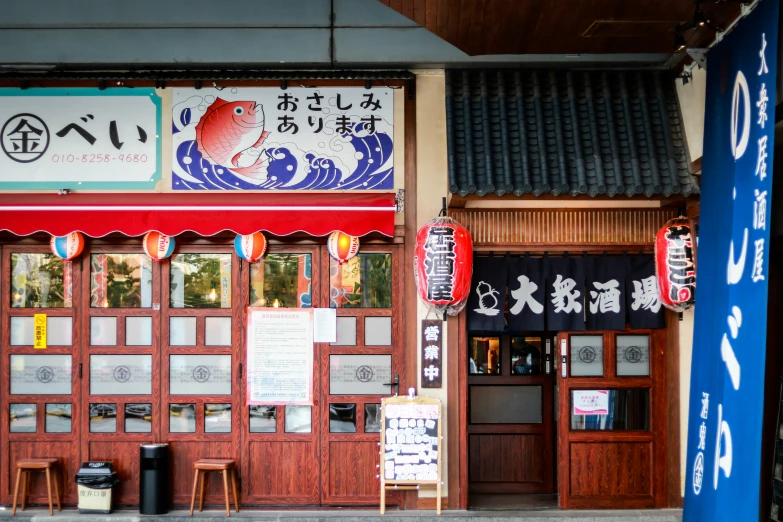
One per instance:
(135, 214)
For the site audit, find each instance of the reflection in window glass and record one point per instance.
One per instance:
(58, 418)
(372, 418)
(298, 419)
(182, 418)
(625, 409)
(342, 418)
(217, 418)
(263, 419)
(120, 281)
(364, 281)
(103, 418)
(525, 355)
(23, 418)
(484, 353)
(282, 281)
(40, 281)
(201, 281)
(138, 418)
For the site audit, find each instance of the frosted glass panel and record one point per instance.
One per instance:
(217, 418)
(346, 331)
(41, 374)
(377, 331)
(505, 404)
(182, 331)
(23, 418)
(103, 331)
(359, 374)
(218, 331)
(59, 331)
(200, 374)
(120, 374)
(59, 418)
(587, 355)
(138, 331)
(298, 419)
(22, 331)
(633, 355)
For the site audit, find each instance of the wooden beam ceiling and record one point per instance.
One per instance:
(485, 27)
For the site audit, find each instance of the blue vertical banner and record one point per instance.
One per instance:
(727, 376)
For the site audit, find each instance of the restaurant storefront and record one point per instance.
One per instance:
(144, 337)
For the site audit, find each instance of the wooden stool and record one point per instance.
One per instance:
(202, 467)
(27, 466)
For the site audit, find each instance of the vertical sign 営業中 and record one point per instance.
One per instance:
(280, 356)
(39, 340)
(727, 376)
(411, 445)
(431, 353)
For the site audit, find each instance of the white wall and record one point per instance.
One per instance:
(431, 186)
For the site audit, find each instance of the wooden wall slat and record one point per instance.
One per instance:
(583, 226)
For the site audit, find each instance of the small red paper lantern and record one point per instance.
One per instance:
(443, 261)
(341, 246)
(67, 247)
(158, 246)
(674, 265)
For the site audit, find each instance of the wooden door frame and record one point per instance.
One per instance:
(201, 349)
(458, 371)
(87, 351)
(7, 477)
(314, 499)
(398, 357)
(659, 419)
(505, 378)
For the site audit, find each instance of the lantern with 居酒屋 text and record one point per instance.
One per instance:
(674, 265)
(444, 264)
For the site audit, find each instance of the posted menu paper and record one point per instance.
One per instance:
(280, 356)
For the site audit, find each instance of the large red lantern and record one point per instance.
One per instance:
(444, 264)
(674, 265)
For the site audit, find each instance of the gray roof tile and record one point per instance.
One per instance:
(565, 132)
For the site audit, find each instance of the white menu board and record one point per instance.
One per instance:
(280, 356)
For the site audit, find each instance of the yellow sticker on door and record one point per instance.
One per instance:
(40, 331)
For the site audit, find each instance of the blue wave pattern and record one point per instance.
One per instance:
(375, 149)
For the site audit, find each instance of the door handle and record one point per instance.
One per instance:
(394, 384)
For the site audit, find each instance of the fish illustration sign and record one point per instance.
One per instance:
(331, 138)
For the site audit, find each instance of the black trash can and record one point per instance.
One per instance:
(94, 482)
(154, 479)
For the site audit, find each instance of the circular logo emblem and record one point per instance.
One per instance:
(364, 373)
(698, 473)
(44, 374)
(633, 354)
(122, 374)
(587, 354)
(201, 374)
(24, 138)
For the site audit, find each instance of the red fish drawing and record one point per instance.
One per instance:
(229, 131)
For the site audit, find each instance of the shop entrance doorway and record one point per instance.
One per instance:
(511, 430)
(141, 351)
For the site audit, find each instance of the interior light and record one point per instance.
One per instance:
(276, 304)
(212, 295)
(699, 19)
(679, 40)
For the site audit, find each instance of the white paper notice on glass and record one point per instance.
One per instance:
(325, 325)
(280, 356)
